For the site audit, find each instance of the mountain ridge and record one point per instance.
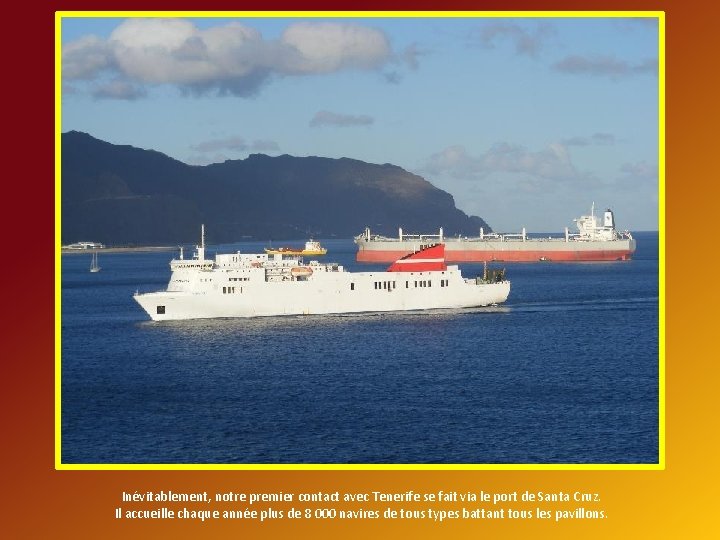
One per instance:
(124, 195)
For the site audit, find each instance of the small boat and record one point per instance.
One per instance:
(94, 267)
(312, 248)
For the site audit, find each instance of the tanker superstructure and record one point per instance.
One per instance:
(594, 241)
(253, 285)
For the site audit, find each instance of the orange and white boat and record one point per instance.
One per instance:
(312, 249)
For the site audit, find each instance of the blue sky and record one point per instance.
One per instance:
(525, 121)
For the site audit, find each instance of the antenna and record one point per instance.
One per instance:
(201, 247)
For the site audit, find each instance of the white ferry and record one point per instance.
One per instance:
(254, 285)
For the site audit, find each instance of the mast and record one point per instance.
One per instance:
(201, 247)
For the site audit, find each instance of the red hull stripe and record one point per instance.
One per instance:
(425, 260)
(376, 256)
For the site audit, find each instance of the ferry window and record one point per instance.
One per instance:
(224, 290)
(407, 284)
(161, 310)
(352, 286)
(429, 283)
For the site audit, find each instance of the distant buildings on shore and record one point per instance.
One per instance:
(84, 245)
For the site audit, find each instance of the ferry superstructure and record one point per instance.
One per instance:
(255, 285)
(594, 241)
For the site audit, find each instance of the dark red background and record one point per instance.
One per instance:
(40, 502)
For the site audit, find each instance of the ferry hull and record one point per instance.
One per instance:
(620, 250)
(276, 299)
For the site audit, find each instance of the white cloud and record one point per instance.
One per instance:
(230, 59)
(640, 170)
(235, 144)
(85, 58)
(118, 89)
(604, 66)
(328, 47)
(602, 139)
(204, 159)
(412, 54)
(327, 118)
(264, 146)
(552, 163)
(526, 41)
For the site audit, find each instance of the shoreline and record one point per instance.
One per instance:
(139, 249)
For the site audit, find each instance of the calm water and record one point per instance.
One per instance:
(566, 371)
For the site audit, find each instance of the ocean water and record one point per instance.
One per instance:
(565, 372)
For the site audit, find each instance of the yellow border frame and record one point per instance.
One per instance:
(659, 15)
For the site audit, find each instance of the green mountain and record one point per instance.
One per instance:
(122, 195)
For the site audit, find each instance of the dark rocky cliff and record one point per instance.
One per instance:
(125, 195)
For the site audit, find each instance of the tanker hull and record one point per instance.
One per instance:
(508, 251)
(595, 240)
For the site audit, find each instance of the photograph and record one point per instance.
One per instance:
(366, 241)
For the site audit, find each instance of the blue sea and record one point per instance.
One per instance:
(565, 372)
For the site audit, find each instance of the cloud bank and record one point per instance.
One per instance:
(231, 59)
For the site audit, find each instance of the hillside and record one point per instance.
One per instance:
(124, 195)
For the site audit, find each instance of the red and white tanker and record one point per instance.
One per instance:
(594, 241)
